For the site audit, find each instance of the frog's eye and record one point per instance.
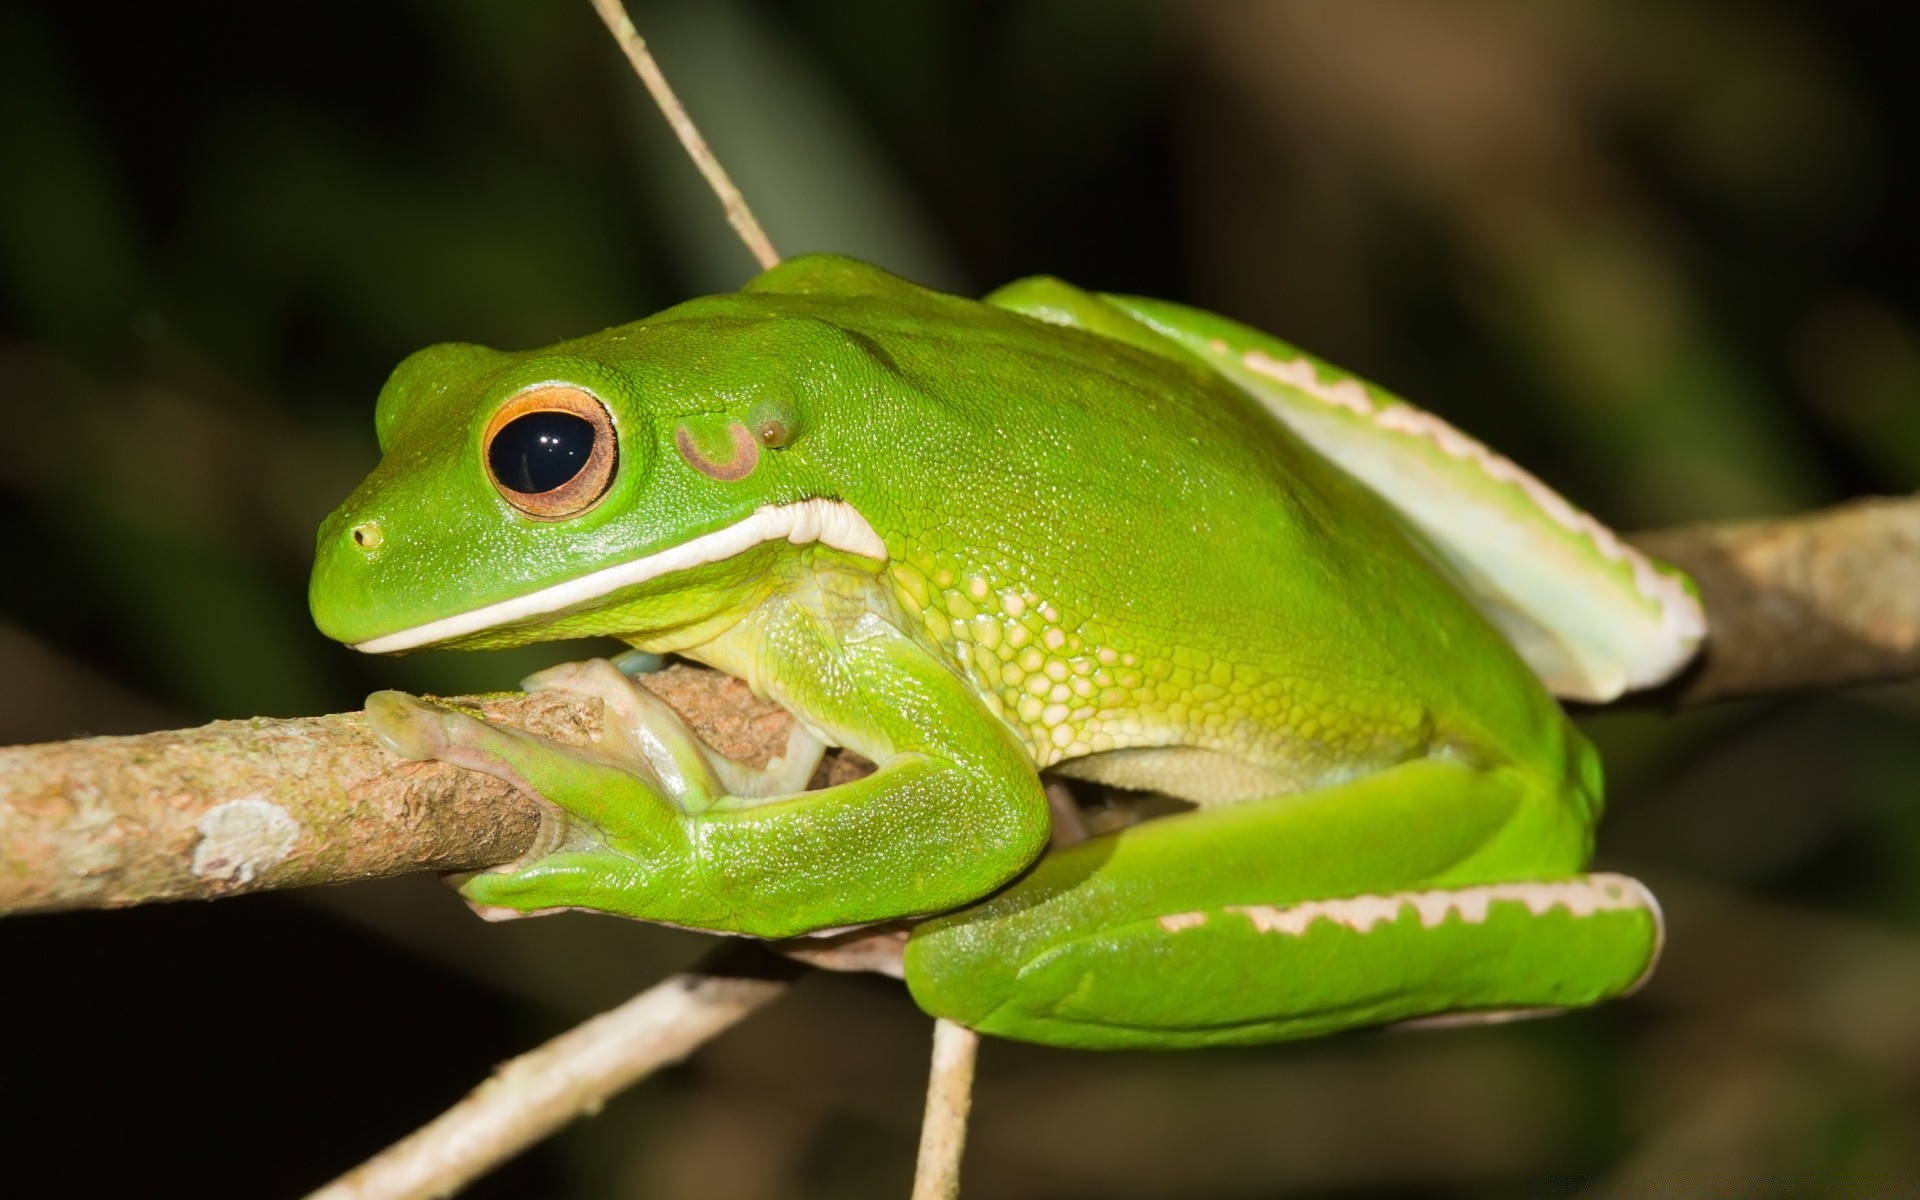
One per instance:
(550, 452)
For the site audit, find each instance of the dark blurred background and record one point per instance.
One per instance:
(1663, 251)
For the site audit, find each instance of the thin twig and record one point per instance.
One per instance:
(531, 1096)
(738, 214)
(943, 1131)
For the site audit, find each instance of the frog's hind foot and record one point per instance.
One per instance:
(1434, 888)
(1262, 973)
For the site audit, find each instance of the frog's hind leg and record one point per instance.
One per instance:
(1434, 889)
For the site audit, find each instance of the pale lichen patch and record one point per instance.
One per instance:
(242, 838)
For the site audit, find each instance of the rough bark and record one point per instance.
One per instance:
(245, 806)
(1823, 600)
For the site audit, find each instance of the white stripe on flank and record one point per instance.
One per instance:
(832, 523)
(1580, 897)
(1680, 615)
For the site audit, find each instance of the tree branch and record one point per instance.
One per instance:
(1823, 600)
(256, 805)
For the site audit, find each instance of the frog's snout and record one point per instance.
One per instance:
(342, 593)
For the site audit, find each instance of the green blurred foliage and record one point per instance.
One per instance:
(1664, 253)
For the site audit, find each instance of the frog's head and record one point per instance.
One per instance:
(642, 481)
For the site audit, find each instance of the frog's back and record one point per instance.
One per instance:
(1124, 553)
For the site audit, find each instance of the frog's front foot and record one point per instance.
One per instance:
(623, 837)
(424, 731)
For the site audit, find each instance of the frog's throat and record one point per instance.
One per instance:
(832, 523)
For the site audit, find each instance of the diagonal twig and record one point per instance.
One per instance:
(943, 1131)
(738, 214)
(533, 1095)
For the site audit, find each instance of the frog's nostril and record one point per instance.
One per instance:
(367, 535)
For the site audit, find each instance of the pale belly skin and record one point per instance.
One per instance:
(1108, 563)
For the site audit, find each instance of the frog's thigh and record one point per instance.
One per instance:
(1429, 889)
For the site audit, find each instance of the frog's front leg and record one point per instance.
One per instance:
(953, 810)
(1432, 889)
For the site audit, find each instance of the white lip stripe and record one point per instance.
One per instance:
(832, 523)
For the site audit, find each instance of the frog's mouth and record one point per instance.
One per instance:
(833, 523)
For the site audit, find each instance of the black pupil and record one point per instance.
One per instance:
(540, 451)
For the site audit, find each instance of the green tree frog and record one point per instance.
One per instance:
(1093, 536)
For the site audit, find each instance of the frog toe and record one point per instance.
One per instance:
(413, 728)
(419, 729)
(605, 791)
(642, 730)
(596, 880)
